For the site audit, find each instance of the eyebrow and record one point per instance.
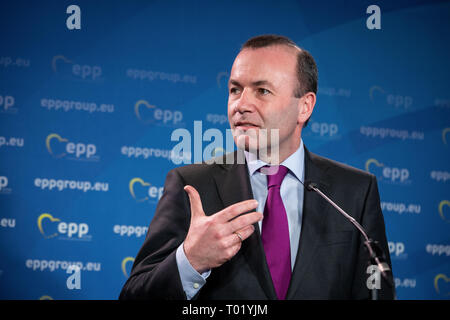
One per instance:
(254, 84)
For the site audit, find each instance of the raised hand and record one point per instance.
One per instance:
(213, 240)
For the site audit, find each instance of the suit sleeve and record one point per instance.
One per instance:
(155, 274)
(372, 220)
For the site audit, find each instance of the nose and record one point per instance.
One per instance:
(245, 102)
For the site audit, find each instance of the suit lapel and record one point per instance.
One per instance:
(233, 185)
(312, 223)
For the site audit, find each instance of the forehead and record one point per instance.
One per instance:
(274, 63)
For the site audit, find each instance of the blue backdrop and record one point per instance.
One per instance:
(86, 117)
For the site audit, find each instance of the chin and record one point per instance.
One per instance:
(244, 141)
(250, 144)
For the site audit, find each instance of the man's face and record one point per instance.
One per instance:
(261, 96)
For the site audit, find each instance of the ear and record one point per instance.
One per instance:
(306, 106)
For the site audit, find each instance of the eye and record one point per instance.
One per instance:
(234, 90)
(263, 91)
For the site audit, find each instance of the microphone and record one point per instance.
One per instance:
(375, 252)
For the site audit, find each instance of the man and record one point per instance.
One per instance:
(210, 239)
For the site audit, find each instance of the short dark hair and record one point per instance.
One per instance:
(307, 73)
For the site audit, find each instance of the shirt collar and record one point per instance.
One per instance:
(295, 162)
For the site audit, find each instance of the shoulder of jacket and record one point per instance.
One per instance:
(334, 167)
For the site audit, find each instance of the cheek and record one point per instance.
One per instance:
(279, 114)
(292, 111)
(285, 118)
(230, 114)
(231, 107)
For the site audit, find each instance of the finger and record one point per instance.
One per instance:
(245, 220)
(245, 232)
(236, 209)
(233, 239)
(234, 242)
(195, 201)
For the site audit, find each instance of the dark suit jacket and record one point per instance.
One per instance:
(331, 261)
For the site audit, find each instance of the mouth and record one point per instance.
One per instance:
(243, 125)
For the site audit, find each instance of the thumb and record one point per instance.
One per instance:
(196, 202)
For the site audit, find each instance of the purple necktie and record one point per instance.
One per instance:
(275, 232)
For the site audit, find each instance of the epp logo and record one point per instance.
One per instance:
(72, 230)
(324, 129)
(7, 102)
(444, 135)
(398, 101)
(3, 183)
(59, 147)
(397, 250)
(219, 78)
(438, 285)
(124, 264)
(152, 114)
(85, 72)
(153, 193)
(442, 204)
(390, 174)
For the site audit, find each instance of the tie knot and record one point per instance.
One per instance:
(275, 175)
